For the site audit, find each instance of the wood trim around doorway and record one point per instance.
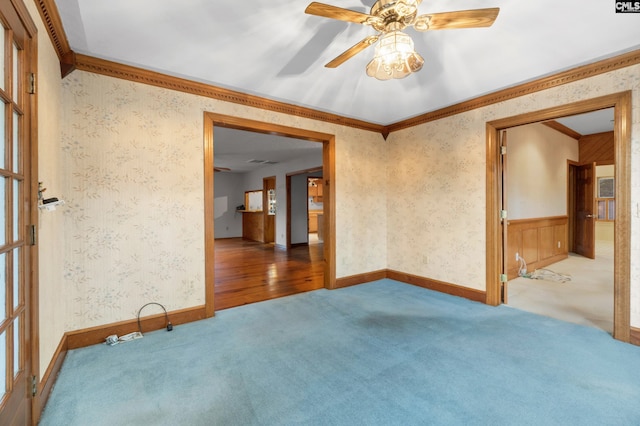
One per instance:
(212, 120)
(621, 102)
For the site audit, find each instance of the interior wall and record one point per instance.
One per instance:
(299, 207)
(537, 171)
(253, 181)
(437, 170)
(229, 191)
(299, 218)
(228, 194)
(132, 160)
(51, 236)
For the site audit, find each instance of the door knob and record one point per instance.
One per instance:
(589, 215)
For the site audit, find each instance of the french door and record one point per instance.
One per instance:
(15, 214)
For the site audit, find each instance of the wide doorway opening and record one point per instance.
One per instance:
(249, 255)
(499, 253)
(560, 203)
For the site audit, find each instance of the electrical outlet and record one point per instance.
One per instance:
(558, 244)
(425, 259)
(517, 256)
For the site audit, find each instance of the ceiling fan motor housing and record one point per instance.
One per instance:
(393, 15)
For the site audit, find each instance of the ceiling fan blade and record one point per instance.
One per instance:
(221, 169)
(334, 12)
(460, 19)
(352, 51)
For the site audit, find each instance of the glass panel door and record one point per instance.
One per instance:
(15, 320)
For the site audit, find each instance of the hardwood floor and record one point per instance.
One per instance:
(249, 271)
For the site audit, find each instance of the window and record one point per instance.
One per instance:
(606, 187)
(605, 201)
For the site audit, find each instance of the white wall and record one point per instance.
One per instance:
(228, 193)
(299, 207)
(537, 171)
(229, 189)
(254, 181)
(299, 215)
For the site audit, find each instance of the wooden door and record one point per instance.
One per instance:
(16, 332)
(584, 220)
(269, 208)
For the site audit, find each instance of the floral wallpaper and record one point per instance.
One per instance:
(133, 189)
(132, 157)
(436, 184)
(436, 215)
(361, 199)
(50, 226)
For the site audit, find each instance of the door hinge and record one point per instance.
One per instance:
(503, 214)
(34, 385)
(503, 150)
(32, 83)
(32, 235)
(503, 278)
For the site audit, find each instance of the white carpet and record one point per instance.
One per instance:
(587, 299)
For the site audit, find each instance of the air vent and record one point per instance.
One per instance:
(262, 162)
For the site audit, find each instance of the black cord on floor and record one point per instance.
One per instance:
(169, 325)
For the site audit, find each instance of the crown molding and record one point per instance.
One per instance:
(113, 69)
(569, 76)
(139, 75)
(51, 19)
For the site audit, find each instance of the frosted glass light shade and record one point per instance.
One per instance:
(394, 57)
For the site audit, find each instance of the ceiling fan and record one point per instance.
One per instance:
(221, 169)
(395, 56)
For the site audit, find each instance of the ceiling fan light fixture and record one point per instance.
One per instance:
(395, 57)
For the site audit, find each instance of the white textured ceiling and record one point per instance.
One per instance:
(591, 122)
(272, 49)
(244, 151)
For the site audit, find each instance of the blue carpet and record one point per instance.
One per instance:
(382, 353)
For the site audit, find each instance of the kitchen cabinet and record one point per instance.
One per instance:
(315, 190)
(313, 220)
(253, 225)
